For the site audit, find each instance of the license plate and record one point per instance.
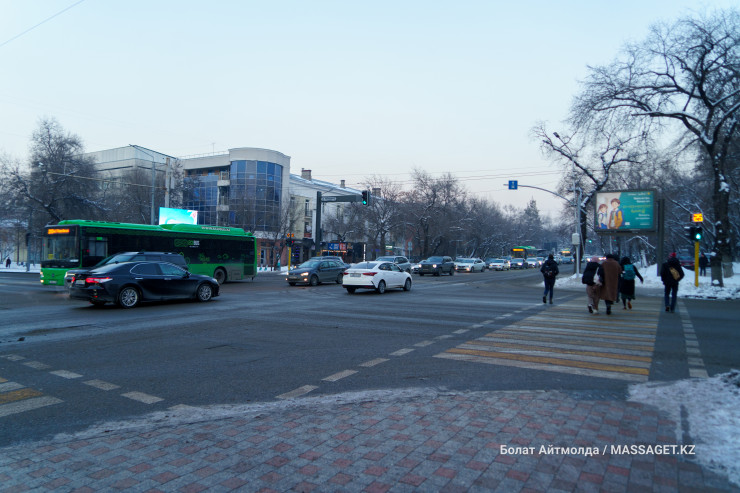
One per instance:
(353, 274)
(80, 282)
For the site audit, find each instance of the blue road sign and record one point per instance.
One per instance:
(513, 184)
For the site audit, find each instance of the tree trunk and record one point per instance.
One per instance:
(721, 203)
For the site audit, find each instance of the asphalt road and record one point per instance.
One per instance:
(65, 365)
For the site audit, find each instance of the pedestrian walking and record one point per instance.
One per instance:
(703, 263)
(609, 272)
(671, 274)
(627, 284)
(593, 284)
(549, 271)
(7, 263)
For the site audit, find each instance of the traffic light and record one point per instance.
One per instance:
(691, 232)
(697, 233)
(365, 197)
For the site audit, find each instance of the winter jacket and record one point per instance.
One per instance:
(550, 269)
(589, 273)
(665, 272)
(609, 273)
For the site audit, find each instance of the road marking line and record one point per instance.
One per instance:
(27, 405)
(553, 361)
(100, 384)
(561, 350)
(445, 336)
(37, 365)
(549, 368)
(66, 374)
(373, 362)
(339, 376)
(7, 387)
(142, 397)
(401, 352)
(462, 331)
(18, 395)
(2, 379)
(297, 392)
(12, 357)
(424, 343)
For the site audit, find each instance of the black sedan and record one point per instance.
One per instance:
(130, 283)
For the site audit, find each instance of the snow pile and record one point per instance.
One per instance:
(713, 417)
(705, 290)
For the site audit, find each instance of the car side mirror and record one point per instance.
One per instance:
(186, 275)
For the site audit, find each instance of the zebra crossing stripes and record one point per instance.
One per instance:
(567, 339)
(16, 398)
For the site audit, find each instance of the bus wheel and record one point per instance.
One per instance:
(128, 297)
(220, 275)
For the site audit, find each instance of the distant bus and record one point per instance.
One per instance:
(523, 252)
(567, 256)
(227, 254)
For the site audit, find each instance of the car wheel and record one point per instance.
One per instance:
(339, 278)
(313, 280)
(128, 297)
(205, 292)
(97, 302)
(452, 272)
(292, 283)
(351, 290)
(407, 285)
(220, 275)
(381, 287)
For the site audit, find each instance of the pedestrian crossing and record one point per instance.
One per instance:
(565, 338)
(16, 398)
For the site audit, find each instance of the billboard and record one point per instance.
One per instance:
(177, 216)
(625, 210)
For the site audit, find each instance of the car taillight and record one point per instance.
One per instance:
(97, 280)
(345, 273)
(369, 273)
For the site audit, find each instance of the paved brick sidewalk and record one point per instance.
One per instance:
(420, 440)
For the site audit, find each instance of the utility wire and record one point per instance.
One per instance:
(37, 25)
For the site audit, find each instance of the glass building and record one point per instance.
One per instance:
(241, 192)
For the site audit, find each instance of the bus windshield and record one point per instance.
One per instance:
(60, 248)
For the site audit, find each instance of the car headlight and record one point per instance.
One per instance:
(434, 266)
(304, 274)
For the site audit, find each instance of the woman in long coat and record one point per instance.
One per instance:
(609, 273)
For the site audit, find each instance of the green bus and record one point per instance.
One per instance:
(227, 254)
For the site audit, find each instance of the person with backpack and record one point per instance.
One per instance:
(549, 271)
(671, 274)
(627, 286)
(593, 285)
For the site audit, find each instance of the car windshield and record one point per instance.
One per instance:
(434, 259)
(465, 260)
(365, 265)
(106, 268)
(310, 264)
(497, 261)
(385, 259)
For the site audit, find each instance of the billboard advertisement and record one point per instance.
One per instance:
(625, 210)
(177, 216)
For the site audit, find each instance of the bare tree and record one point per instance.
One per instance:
(686, 73)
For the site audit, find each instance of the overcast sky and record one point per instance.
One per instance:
(346, 88)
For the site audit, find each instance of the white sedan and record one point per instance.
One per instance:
(469, 265)
(375, 275)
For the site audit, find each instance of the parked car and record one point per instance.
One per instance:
(331, 257)
(317, 270)
(687, 261)
(437, 265)
(498, 264)
(171, 257)
(130, 283)
(377, 275)
(469, 265)
(402, 262)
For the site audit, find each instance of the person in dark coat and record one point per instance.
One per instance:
(593, 285)
(627, 282)
(671, 274)
(703, 263)
(549, 271)
(609, 273)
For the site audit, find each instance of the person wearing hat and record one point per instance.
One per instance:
(593, 285)
(549, 272)
(671, 274)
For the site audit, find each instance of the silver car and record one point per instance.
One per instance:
(402, 262)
